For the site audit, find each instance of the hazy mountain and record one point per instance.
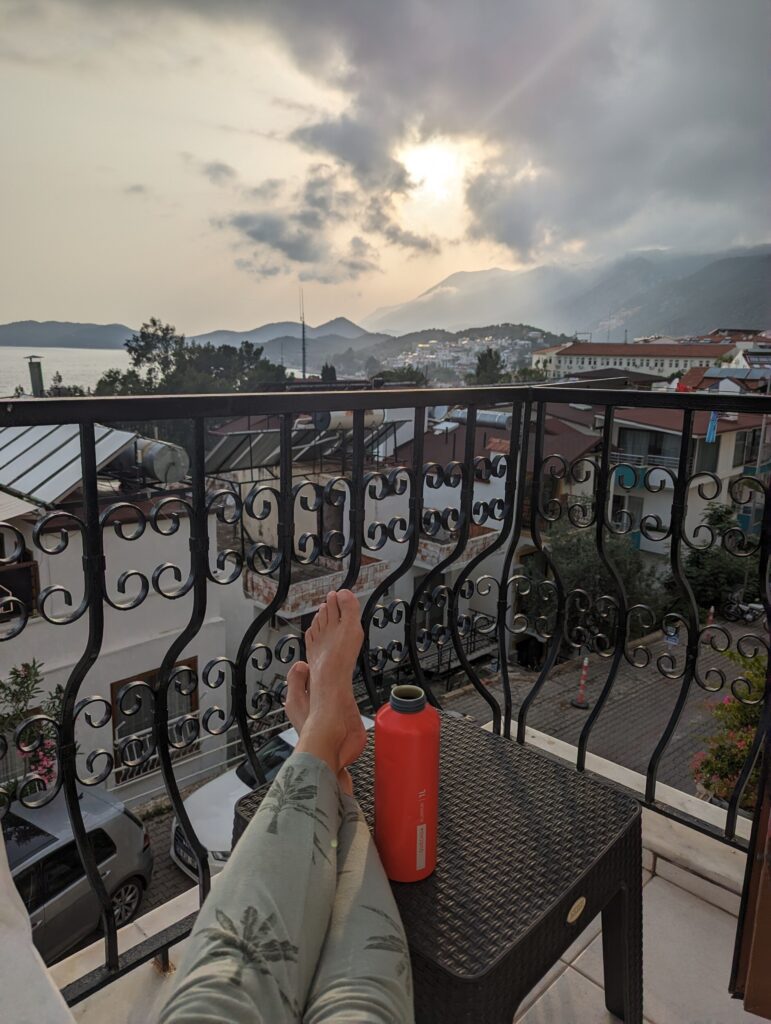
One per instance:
(730, 292)
(643, 293)
(53, 333)
(340, 326)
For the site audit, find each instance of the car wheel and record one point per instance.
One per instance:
(126, 900)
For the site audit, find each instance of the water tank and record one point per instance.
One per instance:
(167, 463)
(485, 418)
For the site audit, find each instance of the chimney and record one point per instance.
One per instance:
(36, 375)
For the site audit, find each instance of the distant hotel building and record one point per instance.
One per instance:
(659, 356)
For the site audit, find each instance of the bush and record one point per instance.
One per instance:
(718, 766)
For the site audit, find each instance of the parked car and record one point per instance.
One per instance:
(211, 808)
(49, 875)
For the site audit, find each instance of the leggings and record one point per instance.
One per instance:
(301, 925)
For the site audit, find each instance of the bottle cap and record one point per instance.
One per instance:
(407, 698)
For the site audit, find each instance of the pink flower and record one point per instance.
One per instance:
(727, 700)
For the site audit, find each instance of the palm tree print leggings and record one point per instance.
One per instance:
(301, 925)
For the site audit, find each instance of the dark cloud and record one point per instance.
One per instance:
(379, 218)
(269, 189)
(136, 190)
(321, 202)
(361, 147)
(218, 173)
(259, 268)
(620, 124)
(279, 233)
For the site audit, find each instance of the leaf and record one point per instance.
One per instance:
(225, 922)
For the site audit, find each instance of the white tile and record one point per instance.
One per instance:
(572, 999)
(687, 951)
(548, 979)
(689, 849)
(708, 891)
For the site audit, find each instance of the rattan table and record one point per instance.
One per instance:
(529, 852)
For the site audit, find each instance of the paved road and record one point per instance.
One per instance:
(635, 715)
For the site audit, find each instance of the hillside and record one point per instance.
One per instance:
(643, 293)
(58, 334)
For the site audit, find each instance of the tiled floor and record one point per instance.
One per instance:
(688, 946)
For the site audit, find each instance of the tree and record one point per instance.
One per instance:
(528, 373)
(372, 366)
(490, 368)
(405, 375)
(715, 570)
(164, 362)
(328, 373)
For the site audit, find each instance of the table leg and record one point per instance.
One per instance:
(622, 953)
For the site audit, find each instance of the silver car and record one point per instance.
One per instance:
(48, 873)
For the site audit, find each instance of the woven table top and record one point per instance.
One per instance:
(516, 831)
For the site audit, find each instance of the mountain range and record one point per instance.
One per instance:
(651, 292)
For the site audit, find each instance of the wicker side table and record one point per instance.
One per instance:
(529, 852)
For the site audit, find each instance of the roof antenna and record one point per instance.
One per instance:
(302, 322)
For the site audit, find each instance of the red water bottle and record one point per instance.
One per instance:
(407, 784)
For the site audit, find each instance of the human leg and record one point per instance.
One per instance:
(254, 949)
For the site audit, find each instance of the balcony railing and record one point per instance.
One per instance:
(500, 510)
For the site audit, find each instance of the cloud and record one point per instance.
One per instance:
(260, 268)
(266, 190)
(218, 173)
(136, 190)
(361, 147)
(379, 218)
(649, 118)
(648, 121)
(280, 234)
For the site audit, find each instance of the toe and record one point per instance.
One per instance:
(322, 615)
(348, 604)
(333, 606)
(297, 702)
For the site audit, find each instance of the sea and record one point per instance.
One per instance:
(83, 366)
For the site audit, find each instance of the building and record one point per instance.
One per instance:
(662, 359)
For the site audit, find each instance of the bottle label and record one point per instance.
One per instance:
(420, 853)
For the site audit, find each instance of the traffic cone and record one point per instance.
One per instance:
(579, 701)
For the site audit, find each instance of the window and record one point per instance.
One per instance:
(746, 448)
(19, 580)
(61, 870)
(139, 726)
(29, 887)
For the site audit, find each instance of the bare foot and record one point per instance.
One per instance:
(297, 707)
(333, 729)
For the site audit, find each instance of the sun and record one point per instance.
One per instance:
(436, 167)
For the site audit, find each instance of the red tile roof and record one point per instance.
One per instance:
(652, 351)
(672, 420)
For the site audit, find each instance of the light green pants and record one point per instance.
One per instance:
(301, 925)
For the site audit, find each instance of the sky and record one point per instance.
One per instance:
(201, 161)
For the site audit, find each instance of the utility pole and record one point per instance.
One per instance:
(302, 322)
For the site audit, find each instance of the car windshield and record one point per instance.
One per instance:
(271, 757)
(22, 839)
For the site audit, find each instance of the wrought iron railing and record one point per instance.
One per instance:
(408, 617)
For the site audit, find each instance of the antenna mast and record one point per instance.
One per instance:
(302, 322)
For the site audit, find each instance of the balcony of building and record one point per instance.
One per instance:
(532, 576)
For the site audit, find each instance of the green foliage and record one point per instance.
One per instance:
(328, 373)
(490, 368)
(719, 765)
(19, 694)
(528, 373)
(405, 374)
(715, 571)
(164, 362)
(574, 552)
(372, 366)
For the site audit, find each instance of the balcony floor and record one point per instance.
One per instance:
(688, 947)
